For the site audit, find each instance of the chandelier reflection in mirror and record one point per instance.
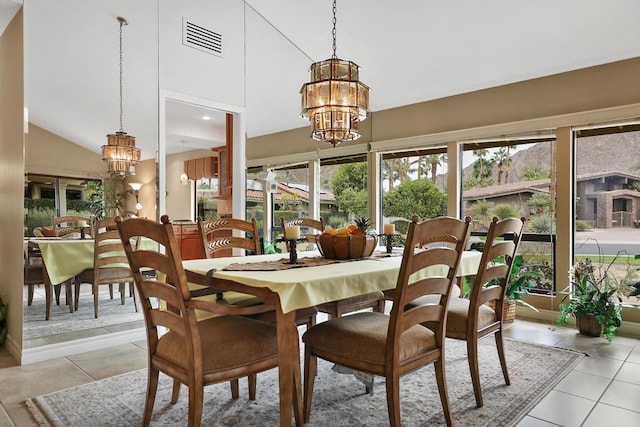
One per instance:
(121, 152)
(335, 102)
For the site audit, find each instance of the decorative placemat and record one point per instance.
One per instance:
(282, 264)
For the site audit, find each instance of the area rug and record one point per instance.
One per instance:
(110, 313)
(339, 399)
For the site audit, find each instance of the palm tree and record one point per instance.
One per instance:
(434, 161)
(482, 168)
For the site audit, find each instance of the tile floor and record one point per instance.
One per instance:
(603, 388)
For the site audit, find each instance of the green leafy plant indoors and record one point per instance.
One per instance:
(520, 281)
(593, 294)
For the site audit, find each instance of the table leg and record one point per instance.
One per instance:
(47, 292)
(289, 369)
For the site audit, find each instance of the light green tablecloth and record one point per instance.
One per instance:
(67, 258)
(310, 286)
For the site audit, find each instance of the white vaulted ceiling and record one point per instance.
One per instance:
(409, 51)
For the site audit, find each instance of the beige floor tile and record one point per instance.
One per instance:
(5, 419)
(534, 422)
(20, 415)
(584, 385)
(603, 415)
(622, 394)
(635, 355)
(104, 363)
(600, 366)
(562, 409)
(39, 378)
(630, 373)
(597, 346)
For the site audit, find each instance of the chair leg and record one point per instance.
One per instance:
(152, 387)
(472, 355)
(29, 294)
(310, 372)
(68, 294)
(110, 291)
(56, 289)
(133, 294)
(252, 379)
(235, 388)
(380, 307)
(501, 355)
(441, 378)
(175, 391)
(76, 286)
(196, 400)
(95, 299)
(393, 400)
(121, 287)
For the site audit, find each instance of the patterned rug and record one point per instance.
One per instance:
(339, 399)
(110, 313)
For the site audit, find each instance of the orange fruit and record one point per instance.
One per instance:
(352, 228)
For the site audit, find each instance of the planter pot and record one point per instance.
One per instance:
(589, 326)
(508, 309)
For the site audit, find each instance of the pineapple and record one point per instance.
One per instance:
(363, 225)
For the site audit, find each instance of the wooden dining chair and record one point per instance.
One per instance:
(396, 344)
(63, 225)
(223, 234)
(194, 353)
(372, 300)
(110, 265)
(471, 319)
(213, 242)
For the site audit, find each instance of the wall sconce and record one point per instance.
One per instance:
(136, 186)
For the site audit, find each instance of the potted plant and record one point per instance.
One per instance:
(593, 300)
(520, 281)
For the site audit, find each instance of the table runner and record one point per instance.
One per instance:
(282, 264)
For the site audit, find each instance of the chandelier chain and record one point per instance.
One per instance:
(122, 22)
(334, 29)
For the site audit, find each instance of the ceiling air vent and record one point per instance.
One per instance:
(201, 38)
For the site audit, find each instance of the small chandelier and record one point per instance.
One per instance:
(335, 101)
(121, 152)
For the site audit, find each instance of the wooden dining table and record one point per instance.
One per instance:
(63, 259)
(299, 287)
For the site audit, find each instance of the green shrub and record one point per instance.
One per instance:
(581, 226)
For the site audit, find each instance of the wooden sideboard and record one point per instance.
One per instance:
(188, 238)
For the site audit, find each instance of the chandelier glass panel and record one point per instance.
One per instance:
(335, 101)
(121, 152)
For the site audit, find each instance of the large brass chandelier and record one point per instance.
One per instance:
(335, 102)
(121, 152)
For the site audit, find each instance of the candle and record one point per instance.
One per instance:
(389, 229)
(292, 232)
(82, 223)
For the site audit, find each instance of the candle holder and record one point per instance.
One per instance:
(389, 242)
(82, 232)
(293, 251)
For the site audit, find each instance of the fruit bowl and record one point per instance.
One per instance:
(350, 246)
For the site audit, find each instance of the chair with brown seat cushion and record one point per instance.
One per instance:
(391, 346)
(372, 300)
(63, 225)
(471, 319)
(194, 353)
(110, 265)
